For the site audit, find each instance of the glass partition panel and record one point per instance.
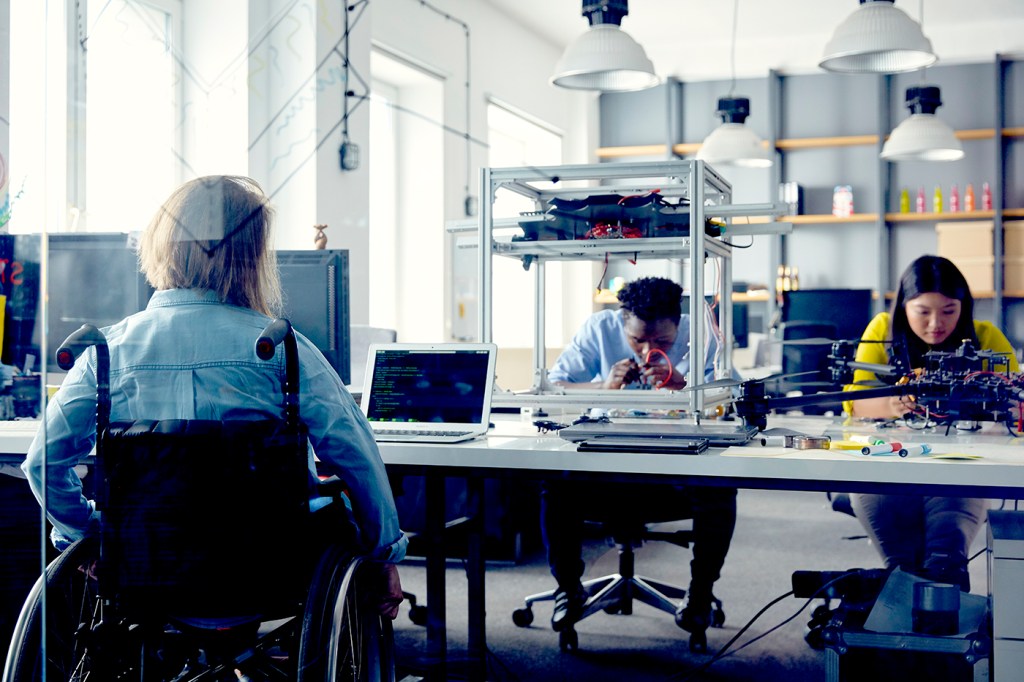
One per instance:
(112, 106)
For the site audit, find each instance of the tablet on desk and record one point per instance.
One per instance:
(665, 446)
(717, 434)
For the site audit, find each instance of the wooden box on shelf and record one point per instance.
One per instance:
(969, 245)
(1013, 260)
(966, 239)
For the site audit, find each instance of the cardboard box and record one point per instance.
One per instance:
(978, 271)
(967, 239)
(1013, 239)
(1013, 273)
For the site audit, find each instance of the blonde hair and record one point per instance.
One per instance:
(214, 233)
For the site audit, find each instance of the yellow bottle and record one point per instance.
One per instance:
(937, 200)
(904, 201)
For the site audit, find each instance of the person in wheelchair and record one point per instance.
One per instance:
(190, 355)
(643, 344)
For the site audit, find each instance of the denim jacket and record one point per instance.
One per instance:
(189, 356)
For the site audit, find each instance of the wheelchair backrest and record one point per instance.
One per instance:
(204, 518)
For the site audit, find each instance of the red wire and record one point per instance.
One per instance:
(647, 361)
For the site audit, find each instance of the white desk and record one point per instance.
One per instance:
(514, 448)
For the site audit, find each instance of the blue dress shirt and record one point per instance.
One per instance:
(189, 356)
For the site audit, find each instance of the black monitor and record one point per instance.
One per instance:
(315, 287)
(93, 278)
(849, 310)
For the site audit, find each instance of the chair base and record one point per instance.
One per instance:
(615, 594)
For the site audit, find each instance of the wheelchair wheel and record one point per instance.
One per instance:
(342, 636)
(71, 609)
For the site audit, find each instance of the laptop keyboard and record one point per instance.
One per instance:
(419, 432)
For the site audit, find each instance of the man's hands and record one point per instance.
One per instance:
(656, 375)
(387, 587)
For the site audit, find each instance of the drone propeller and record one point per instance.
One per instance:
(822, 341)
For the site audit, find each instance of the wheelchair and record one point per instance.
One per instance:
(206, 566)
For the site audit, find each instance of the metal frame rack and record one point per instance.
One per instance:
(709, 195)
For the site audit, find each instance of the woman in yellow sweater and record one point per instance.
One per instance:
(933, 310)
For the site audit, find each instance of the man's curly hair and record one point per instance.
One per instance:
(652, 299)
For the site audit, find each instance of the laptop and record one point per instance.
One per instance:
(428, 393)
(717, 434)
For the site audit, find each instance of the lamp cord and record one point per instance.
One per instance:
(732, 50)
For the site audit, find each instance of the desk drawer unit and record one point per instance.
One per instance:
(1005, 579)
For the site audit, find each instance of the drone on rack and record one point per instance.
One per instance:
(965, 385)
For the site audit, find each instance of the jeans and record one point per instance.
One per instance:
(912, 532)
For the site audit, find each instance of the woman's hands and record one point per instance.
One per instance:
(387, 587)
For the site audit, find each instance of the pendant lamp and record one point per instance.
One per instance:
(605, 58)
(878, 38)
(733, 143)
(924, 136)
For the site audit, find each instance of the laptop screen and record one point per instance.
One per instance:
(427, 384)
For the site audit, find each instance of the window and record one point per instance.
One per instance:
(516, 141)
(104, 116)
(407, 169)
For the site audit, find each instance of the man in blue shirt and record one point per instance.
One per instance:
(643, 344)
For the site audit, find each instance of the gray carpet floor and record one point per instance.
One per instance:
(777, 533)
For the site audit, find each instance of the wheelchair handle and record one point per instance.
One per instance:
(278, 331)
(76, 344)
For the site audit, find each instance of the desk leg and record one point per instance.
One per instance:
(437, 637)
(476, 618)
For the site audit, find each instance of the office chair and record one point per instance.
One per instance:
(808, 360)
(614, 594)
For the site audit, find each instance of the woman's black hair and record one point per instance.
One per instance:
(652, 299)
(926, 275)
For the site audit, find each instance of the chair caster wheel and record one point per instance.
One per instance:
(568, 640)
(613, 610)
(698, 642)
(418, 614)
(523, 617)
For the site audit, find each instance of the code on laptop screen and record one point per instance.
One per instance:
(447, 386)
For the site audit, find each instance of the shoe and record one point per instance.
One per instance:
(568, 607)
(700, 613)
(942, 568)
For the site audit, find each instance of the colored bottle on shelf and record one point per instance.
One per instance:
(794, 282)
(937, 200)
(954, 199)
(986, 197)
(920, 200)
(969, 198)
(787, 279)
(778, 279)
(904, 201)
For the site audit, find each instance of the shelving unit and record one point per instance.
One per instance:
(708, 195)
(829, 129)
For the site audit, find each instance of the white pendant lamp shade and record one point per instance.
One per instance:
(605, 58)
(733, 143)
(878, 38)
(924, 136)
